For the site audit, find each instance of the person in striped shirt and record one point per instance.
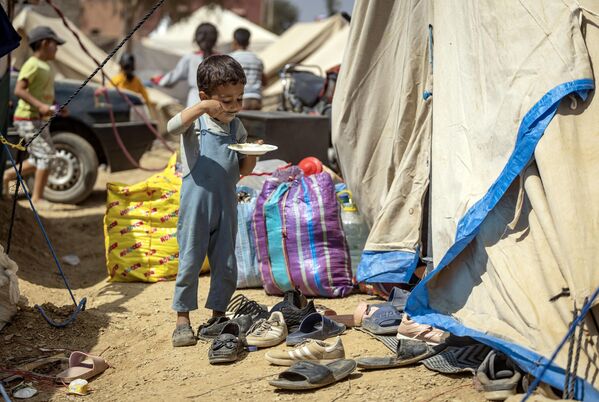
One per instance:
(253, 68)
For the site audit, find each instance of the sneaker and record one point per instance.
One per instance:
(291, 298)
(183, 336)
(409, 329)
(266, 333)
(498, 376)
(312, 349)
(294, 316)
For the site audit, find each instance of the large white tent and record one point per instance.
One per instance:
(178, 39)
(494, 105)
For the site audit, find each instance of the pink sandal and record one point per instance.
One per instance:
(82, 366)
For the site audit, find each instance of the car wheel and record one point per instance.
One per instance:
(74, 169)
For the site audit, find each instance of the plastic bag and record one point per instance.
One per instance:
(140, 228)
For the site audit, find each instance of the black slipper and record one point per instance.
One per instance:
(305, 375)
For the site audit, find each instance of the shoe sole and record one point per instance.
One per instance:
(265, 344)
(182, 344)
(499, 395)
(288, 362)
(220, 360)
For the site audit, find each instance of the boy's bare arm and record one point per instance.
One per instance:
(181, 121)
(247, 165)
(22, 92)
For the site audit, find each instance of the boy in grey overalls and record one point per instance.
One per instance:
(208, 209)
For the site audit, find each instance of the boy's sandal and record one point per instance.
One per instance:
(310, 375)
(183, 336)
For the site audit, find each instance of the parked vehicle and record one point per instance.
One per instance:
(85, 139)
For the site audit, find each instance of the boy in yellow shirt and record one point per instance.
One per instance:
(35, 90)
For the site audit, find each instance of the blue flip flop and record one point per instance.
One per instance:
(384, 321)
(315, 326)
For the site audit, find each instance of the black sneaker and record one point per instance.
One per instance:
(294, 316)
(292, 298)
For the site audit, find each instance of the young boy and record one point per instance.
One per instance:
(208, 211)
(253, 68)
(35, 90)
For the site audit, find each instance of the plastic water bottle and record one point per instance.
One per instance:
(354, 226)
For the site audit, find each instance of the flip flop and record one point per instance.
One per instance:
(82, 366)
(382, 320)
(305, 375)
(409, 351)
(315, 326)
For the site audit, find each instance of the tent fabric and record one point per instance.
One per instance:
(514, 156)
(299, 42)
(493, 282)
(179, 38)
(382, 136)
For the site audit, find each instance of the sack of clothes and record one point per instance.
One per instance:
(248, 274)
(299, 237)
(140, 228)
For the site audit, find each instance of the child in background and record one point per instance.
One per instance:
(208, 212)
(253, 68)
(127, 79)
(206, 36)
(35, 90)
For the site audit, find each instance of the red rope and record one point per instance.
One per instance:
(119, 140)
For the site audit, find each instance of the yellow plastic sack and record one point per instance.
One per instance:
(140, 228)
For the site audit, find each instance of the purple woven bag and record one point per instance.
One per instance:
(316, 254)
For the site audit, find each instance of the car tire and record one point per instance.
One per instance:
(74, 170)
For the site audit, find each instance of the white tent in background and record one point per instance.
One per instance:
(299, 42)
(178, 38)
(495, 103)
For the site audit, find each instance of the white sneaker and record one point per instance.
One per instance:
(311, 349)
(266, 333)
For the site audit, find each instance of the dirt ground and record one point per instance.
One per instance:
(130, 325)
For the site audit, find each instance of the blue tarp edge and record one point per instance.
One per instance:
(530, 132)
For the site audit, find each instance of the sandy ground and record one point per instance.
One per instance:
(131, 325)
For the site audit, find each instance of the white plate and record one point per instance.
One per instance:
(253, 149)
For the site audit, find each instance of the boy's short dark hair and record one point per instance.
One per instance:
(242, 37)
(219, 70)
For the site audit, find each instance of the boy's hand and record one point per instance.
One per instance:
(45, 110)
(212, 107)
